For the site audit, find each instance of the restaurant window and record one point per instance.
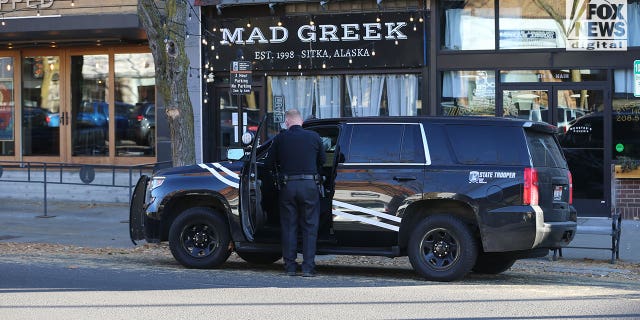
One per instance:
(468, 25)
(7, 107)
(364, 95)
(468, 93)
(382, 95)
(553, 75)
(526, 24)
(135, 105)
(625, 117)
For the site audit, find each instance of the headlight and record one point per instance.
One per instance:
(155, 182)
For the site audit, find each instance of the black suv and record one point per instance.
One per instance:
(454, 194)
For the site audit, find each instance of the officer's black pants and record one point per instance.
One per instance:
(299, 206)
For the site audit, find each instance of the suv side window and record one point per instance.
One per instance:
(387, 143)
(500, 145)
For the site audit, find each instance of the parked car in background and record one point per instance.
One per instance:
(53, 119)
(142, 124)
(96, 114)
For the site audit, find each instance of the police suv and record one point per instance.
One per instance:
(453, 194)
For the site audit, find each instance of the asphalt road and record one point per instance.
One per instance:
(141, 286)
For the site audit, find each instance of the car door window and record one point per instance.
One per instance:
(394, 143)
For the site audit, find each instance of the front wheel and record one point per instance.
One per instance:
(442, 248)
(199, 238)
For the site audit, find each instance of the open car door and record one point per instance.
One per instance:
(251, 213)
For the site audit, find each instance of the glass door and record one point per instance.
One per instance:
(530, 104)
(579, 115)
(577, 111)
(236, 115)
(41, 106)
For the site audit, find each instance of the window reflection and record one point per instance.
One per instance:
(135, 107)
(7, 107)
(528, 24)
(468, 93)
(468, 25)
(626, 117)
(526, 104)
(40, 104)
(89, 106)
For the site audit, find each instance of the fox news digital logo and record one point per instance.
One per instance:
(596, 25)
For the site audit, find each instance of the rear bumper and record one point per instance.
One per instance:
(556, 234)
(518, 228)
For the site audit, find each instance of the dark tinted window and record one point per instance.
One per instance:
(487, 144)
(412, 147)
(386, 143)
(544, 150)
(586, 132)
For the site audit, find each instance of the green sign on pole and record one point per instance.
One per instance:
(636, 78)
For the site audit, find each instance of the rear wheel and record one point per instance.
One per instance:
(199, 238)
(442, 248)
(493, 263)
(259, 257)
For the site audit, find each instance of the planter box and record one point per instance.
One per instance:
(633, 174)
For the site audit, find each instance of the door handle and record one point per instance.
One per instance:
(404, 178)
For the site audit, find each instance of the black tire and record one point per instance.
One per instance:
(259, 257)
(199, 238)
(493, 263)
(442, 248)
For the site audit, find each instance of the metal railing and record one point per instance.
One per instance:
(55, 173)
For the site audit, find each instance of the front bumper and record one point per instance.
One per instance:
(137, 217)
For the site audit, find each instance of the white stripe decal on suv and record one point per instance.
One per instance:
(336, 203)
(219, 176)
(365, 220)
(365, 210)
(226, 170)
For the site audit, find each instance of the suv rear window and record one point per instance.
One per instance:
(544, 150)
(487, 144)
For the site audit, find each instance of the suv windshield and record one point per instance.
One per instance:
(544, 150)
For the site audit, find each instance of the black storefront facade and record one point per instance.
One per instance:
(370, 58)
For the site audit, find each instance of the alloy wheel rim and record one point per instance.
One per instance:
(440, 249)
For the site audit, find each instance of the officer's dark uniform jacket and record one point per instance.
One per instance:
(299, 155)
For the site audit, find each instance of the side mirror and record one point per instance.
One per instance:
(247, 138)
(235, 154)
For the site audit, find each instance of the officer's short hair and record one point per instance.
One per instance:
(292, 114)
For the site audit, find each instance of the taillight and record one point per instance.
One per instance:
(47, 119)
(139, 118)
(530, 196)
(570, 188)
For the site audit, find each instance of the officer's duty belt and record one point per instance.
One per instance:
(300, 177)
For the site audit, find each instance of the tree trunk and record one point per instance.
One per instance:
(166, 32)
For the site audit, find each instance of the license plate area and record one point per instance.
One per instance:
(557, 193)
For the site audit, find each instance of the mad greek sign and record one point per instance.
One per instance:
(321, 41)
(596, 25)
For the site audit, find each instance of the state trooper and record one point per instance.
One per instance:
(297, 155)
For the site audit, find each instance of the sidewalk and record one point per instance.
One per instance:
(106, 225)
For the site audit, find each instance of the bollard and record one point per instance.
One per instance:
(45, 192)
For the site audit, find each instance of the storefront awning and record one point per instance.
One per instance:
(79, 29)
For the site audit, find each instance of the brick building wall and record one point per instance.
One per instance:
(628, 198)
